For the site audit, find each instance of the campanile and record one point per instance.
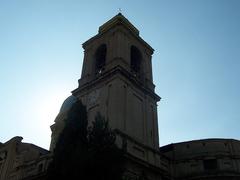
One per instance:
(117, 81)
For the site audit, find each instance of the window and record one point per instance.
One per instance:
(135, 59)
(100, 58)
(3, 155)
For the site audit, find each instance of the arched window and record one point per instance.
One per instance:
(100, 58)
(136, 59)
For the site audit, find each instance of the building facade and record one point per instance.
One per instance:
(20, 160)
(117, 81)
(210, 159)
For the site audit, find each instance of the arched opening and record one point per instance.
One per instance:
(100, 58)
(136, 59)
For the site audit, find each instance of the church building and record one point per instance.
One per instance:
(117, 82)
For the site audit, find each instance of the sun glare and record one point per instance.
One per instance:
(44, 110)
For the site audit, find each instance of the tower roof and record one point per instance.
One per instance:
(119, 19)
(116, 20)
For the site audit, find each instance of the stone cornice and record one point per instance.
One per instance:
(118, 70)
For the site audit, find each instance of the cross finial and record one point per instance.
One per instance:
(119, 10)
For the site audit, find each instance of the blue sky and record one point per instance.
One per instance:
(196, 63)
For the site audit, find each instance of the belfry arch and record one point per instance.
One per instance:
(136, 59)
(100, 58)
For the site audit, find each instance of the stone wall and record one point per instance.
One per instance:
(20, 160)
(204, 159)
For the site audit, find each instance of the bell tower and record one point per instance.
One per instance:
(117, 81)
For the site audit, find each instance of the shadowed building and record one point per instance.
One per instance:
(20, 160)
(117, 81)
(209, 159)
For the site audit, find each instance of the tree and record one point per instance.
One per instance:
(84, 152)
(107, 158)
(72, 142)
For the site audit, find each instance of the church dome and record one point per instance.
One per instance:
(67, 104)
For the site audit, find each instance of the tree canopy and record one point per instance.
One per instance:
(86, 152)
